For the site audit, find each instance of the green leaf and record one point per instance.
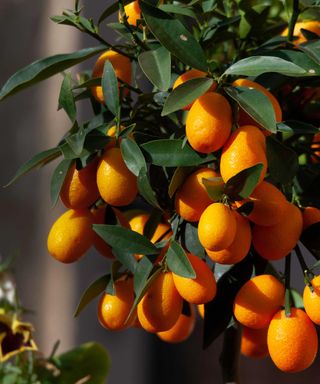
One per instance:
(282, 161)
(295, 126)
(38, 160)
(257, 65)
(219, 312)
(214, 186)
(66, 99)
(132, 156)
(172, 34)
(179, 9)
(152, 223)
(241, 185)
(146, 190)
(180, 174)
(88, 362)
(312, 49)
(111, 9)
(256, 104)
(126, 258)
(178, 261)
(141, 274)
(76, 141)
(58, 178)
(190, 240)
(185, 94)
(170, 153)
(94, 290)
(110, 89)
(296, 299)
(45, 68)
(156, 65)
(122, 238)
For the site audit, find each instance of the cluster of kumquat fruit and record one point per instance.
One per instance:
(193, 188)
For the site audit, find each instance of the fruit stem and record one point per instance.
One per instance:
(287, 302)
(229, 358)
(308, 275)
(293, 19)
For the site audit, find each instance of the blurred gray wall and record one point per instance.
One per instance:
(30, 123)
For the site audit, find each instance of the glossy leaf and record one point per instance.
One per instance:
(152, 223)
(282, 161)
(76, 141)
(110, 89)
(94, 290)
(178, 9)
(156, 65)
(190, 240)
(125, 257)
(146, 190)
(180, 174)
(132, 156)
(256, 104)
(185, 94)
(141, 274)
(219, 312)
(257, 65)
(312, 49)
(122, 238)
(66, 99)
(38, 160)
(178, 261)
(172, 34)
(170, 153)
(214, 187)
(45, 68)
(58, 178)
(295, 126)
(241, 185)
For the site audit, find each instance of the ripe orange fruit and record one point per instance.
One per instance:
(310, 215)
(217, 227)
(133, 13)
(202, 288)
(186, 76)
(275, 242)
(269, 204)
(99, 218)
(71, 235)
(79, 189)
(122, 68)
(311, 300)
(209, 122)
(254, 342)
(292, 341)
(244, 118)
(258, 300)
(116, 184)
(161, 306)
(182, 328)
(245, 148)
(240, 246)
(192, 198)
(113, 310)
(315, 146)
(311, 25)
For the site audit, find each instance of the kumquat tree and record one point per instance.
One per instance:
(198, 169)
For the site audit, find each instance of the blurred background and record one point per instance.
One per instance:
(29, 124)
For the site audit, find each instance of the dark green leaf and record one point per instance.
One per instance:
(185, 94)
(125, 257)
(312, 49)
(146, 190)
(190, 240)
(156, 65)
(294, 126)
(178, 261)
(132, 156)
(282, 161)
(38, 160)
(178, 9)
(141, 274)
(76, 141)
(110, 89)
(257, 65)
(88, 362)
(296, 299)
(94, 290)
(174, 36)
(170, 153)
(66, 99)
(180, 174)
(152, 223)
(111, 9)
(45, 68)
(214, 187)
(219, 311)
(241, 185)
(57, 180)
(123, 238)
(256, 104)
